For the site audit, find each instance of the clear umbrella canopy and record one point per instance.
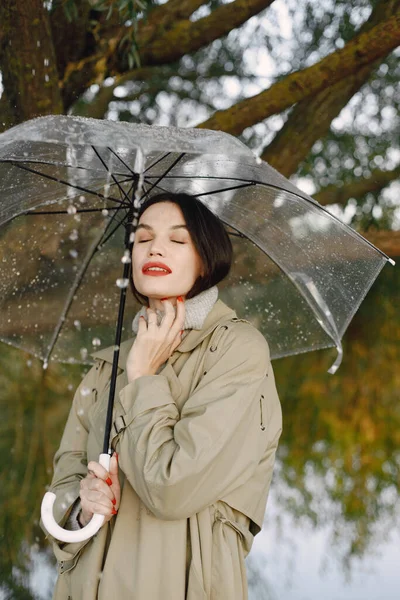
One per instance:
(66, 187)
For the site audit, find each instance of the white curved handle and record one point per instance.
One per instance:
(64, 535)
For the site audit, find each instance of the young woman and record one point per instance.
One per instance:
(197, 421)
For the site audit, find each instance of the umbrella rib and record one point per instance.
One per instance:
(152, 186)
(108, 171)
(15, 162)
(79, 210)
(234, 187)
(76, 187)
(120, 159)
(114, 230)
(79, 276)
(158, 161)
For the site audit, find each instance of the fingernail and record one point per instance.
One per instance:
(109, 481)
(181, 331)
(114, 512)
(114, 501)
(180, 299)
(164, 299)
(116, 455)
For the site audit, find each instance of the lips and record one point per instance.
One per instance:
(156, 264)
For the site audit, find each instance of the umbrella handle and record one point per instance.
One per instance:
(65, 535)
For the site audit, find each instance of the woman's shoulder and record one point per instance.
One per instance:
(242, 334)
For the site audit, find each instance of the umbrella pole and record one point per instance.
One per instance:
(106, 443)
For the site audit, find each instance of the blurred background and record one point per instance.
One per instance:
(312, 86)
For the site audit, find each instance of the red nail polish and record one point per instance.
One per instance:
(116, 456)
(108, 481)
(180, 299)
(114, 512)
(114, 501)
(181, 331)
(164, 299)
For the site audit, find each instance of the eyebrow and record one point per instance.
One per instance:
(149, 228)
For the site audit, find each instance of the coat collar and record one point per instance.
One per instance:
(219, 312)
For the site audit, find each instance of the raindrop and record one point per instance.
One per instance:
(116, 348)
(74, 235)
(84, 353)
(96, 342)
(29, 362)
(46, 77)
(33, 71)
(77, 218)
(71, 210)
(45, 365)
(126, 257)
(78, 429)
(46, 62)
(81, 412)
(85, 391)
(77, 324)
(82, 199)
(70, 387)
(122, 283)
(132, 237)
(104, 212)
(73, 253)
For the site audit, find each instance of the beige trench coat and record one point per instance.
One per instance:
(196, 446)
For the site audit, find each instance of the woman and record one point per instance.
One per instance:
(197, 421)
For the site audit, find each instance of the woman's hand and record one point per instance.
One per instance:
(100, 491)
(154, 343)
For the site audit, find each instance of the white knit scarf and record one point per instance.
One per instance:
(196, 310)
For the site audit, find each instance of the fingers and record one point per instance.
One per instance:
(100, 490)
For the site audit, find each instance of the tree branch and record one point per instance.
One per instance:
(311, 118)
(332, 194)
(156, 50)
(165, 15)
(360, 51)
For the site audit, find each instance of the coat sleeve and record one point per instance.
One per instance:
(179, 464)
(70, 461)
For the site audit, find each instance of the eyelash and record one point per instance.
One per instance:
(175, 242)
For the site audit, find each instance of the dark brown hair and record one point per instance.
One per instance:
(208, 235)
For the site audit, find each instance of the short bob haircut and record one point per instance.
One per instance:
(208, 235)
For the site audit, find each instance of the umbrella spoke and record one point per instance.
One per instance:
(79, 210)
(57, 180)
(161, 177)
(120, 188)
(123, 162)
(157, 161)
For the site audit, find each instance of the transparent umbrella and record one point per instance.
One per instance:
(70, 189)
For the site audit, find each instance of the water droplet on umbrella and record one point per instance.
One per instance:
(77, 324)
(82, 199)
(122, 283)
(96, 342)
(74, 235)
(29, 362)
(85, 391)
(104, 212)
(126, 257)
(71, 210)
(81, 412)
(70, 387)
(116, 348)
(132, 237)
(73, 253)
(84, 353)
(45, 365)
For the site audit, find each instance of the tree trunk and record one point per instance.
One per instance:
(28, 61)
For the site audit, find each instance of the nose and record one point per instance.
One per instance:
(155, 247)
